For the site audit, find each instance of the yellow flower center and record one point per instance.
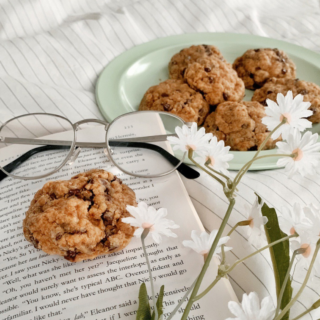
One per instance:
(292, 231)
(287, 116)
(205, 256)
(191, 146)
(212, 161)
(307, 253)
(147, 225)
(298, 154)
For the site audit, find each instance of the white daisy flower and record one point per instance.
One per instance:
(202, 242)
(290, 220)
(309, 234)
(312, 213)
(294, 110)
(306, 241)
(256, 233)
(144, 217)
(250, 308)
(305, 151)
(190, 138)
(218, 155)
(303, 264)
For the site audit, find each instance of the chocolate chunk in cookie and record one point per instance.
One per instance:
(239, 125)
(83, 218)
(216, 80)
(180, 61)
(176, 97)
(256, 66)
(309, 90)
(211, 126)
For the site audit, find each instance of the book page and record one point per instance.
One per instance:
(35, 285)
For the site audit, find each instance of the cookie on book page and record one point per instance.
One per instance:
(181, 60)
(176, 97)
(256, 66)
(80, 218)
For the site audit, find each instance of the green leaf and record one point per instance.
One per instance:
(159, 303)
(280, 254)
(144, 311)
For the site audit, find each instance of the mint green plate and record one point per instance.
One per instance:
(123, 82)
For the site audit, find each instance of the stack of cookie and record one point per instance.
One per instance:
(270, 72)
(206, 89)
(199, 77)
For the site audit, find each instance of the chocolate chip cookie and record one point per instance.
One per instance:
(215, 79)
(239, 125)
(309, 90)
(176, 97)
(256, 66)
(180, 61)
(80, 218)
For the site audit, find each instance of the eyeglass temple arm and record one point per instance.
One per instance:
(185, 170)
(158, 138)
(16, 163)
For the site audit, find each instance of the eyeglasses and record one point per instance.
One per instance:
(40, 144)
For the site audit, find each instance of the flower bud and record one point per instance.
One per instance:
(316, 304)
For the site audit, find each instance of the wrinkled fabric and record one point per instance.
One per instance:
(52, 52)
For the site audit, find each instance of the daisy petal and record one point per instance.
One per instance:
(190, 138)
(303, 153)
(295, 110)
(145, 217)
(202, 242)
(250, 308)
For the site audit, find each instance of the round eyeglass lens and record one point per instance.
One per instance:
(137, 143)
(35, 145)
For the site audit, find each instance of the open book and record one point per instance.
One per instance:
(35, 285)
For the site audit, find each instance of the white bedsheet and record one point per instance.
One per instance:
(52, 51)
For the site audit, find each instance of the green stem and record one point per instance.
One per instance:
(219, 173)
(316, 305)
(269, 136)
(223, 255)
(260, 250)
(207, 262)
(303, 313)
(240, 261)
(284, 284)
(190, 154)
(143, 236)
(259, 150)
(289, 305)
(201, 295)
(181, 301)
(239, 224)
(246, 167)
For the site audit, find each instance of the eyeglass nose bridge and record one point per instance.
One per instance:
(74, 156)
(77, 124)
